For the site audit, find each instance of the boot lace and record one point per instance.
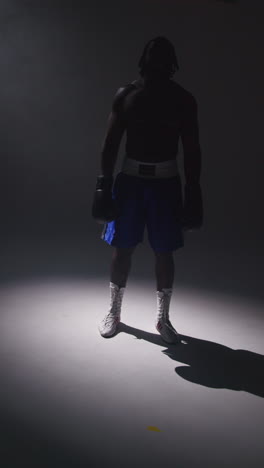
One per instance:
(115, 308)
(163, 311)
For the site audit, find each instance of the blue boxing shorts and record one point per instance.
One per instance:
(144, 202)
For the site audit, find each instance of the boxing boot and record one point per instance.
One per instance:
(109, 324)
(162, 323)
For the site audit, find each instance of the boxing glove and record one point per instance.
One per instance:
(192, 207)
(104, 208)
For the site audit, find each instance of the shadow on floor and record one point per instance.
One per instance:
(210, 364)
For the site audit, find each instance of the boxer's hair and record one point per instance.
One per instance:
(158, 52)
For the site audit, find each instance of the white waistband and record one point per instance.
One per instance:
(164, 169)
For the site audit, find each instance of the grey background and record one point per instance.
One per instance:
(62, 386)
(61, 63)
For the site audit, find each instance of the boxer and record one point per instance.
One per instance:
(155, 112)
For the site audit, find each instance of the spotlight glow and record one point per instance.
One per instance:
(60, 375)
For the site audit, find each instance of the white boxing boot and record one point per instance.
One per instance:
(163, 324)
(110, 322)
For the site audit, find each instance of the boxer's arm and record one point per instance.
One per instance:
(189, 131)
(114, 133)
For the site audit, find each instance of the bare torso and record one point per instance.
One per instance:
(153, 116)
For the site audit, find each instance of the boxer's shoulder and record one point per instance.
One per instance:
(121, 94)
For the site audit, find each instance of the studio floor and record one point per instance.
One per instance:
(70, 398)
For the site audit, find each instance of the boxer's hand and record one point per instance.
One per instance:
(192, 208)
(104, 208)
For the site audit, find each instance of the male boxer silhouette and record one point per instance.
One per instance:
(155, 112)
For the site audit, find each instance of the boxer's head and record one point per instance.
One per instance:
(158, 59)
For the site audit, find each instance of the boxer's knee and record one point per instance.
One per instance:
(163, 255)
(123, 253)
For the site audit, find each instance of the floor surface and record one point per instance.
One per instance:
(70, 398)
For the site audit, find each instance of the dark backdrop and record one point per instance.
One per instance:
(61, 63)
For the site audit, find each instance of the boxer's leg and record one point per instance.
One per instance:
(120, 265)
(165, 277)
(164, 270)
